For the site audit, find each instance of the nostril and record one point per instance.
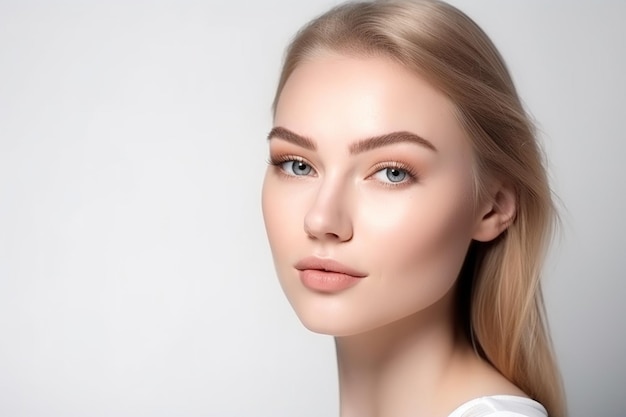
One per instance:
(328, 222)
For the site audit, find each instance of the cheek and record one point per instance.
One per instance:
(417, 244)
(416, 225)
(283, 214)
(273, 209)
(284, 218)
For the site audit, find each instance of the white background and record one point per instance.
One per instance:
(135, 279)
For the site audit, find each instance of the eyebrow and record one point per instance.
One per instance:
(289, 136)
(363, 145)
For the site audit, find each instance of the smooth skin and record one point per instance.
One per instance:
(399, 209)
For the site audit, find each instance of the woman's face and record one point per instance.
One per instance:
(368, 198)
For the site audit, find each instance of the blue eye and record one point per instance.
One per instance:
(392, 175)
(295, 167)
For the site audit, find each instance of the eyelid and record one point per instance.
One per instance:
(278, 160)
(410, 171)
(413, 176)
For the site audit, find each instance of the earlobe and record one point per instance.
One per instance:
(497, 215)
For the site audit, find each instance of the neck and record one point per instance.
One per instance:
(400, 368)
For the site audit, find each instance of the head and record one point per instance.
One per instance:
(402, 151)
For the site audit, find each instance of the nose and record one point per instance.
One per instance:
(329, 216)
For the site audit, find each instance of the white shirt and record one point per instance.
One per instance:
(500, 406)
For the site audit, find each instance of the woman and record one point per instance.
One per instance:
(407, 209)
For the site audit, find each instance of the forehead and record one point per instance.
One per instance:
(338, 97)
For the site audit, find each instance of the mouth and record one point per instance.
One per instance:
(327, 265)
(327, 275)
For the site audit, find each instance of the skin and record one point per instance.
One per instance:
(401, 213)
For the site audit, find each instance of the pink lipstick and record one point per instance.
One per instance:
(327, 275)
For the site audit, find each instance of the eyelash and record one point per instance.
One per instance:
(411, 173)
(277, 161)
(413, 176)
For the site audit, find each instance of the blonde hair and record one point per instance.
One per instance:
(500, 301)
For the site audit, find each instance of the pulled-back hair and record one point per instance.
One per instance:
(499, 298)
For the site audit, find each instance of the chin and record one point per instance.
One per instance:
(334, 323)
(330, 329)
(325, 321)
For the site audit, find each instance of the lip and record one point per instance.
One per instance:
(327, 275)
(327, 265)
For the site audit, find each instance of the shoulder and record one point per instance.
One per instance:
(500, 406)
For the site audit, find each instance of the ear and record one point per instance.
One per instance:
(497, 213)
